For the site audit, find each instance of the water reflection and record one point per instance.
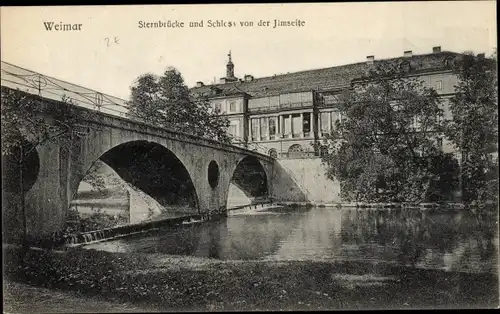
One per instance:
(439, 240)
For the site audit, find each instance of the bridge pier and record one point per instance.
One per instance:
(47, 201)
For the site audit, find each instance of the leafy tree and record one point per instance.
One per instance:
(166, 101)
(27, 123)
(474, 128)
(385, 147)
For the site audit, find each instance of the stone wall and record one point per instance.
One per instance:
(302, 180)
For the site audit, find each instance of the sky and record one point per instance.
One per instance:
(333, 34)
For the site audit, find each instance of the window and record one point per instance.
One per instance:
(215, 91)
(217, 107)
(273, 153)
(288, 125)
(417, 122)
(272, 126)
(263, 127)
(255, 128)
(439, 142)
(232, 106)
(335, 118)
(306, 123)
(324, 122)
(295, 148)
(297, 124)
(439, 85)
(323, 151)
(232, 130)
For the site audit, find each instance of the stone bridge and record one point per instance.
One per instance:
(165, 164)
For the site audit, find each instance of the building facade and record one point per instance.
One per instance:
(285, 115)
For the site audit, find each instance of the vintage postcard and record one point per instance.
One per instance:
(255, 157)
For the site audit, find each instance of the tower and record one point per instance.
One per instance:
(230, 69)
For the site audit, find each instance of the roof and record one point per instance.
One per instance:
(322, 79)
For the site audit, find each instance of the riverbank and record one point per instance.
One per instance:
(183, 283)
(441, 206)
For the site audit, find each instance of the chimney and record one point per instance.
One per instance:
(436, 49)
(248, 78)
(199, 84)
(370, 59)
(223, 80)
(408, 54)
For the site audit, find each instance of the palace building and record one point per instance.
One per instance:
(284, 115)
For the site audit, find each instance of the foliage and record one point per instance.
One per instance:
(386, 146)
(21, 124)
(98, 220)
(474, 128)
(167, 102)
(27, 122)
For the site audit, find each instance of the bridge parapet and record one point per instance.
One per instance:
(106, 119)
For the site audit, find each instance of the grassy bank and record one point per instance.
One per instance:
(186, 283)
(23, 298)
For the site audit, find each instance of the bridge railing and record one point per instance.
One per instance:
(298, 155)
(34, 83)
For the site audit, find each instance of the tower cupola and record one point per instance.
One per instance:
(229, 67)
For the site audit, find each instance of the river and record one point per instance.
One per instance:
(451, 241)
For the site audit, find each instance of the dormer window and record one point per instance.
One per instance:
(405, 66)
(215, 91)
(448, 62)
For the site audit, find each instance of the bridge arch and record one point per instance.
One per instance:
(153, 169)
(19, 174)
(213, 174)
(251, 178)
(11, 167)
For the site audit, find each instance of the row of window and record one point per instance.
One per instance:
(296, 124)
(293, 124)
(232, 106)
(328, 121)
(270, 126)
(282, 100)
(297, 150)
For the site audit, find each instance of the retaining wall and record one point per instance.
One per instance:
(307, 182)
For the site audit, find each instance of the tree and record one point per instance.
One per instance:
(474, 128)
(26, 125)
(167, 102)
(386, 145)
